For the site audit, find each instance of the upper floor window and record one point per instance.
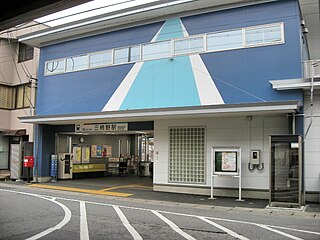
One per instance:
(77, 63)
(262, 35)
(54, 67)
(224, 40)
(156, 50)
(7, 97)
(25, 52)
(126, 55)
(254, 36)
(15, 97)
(100, 59)
(189, 45)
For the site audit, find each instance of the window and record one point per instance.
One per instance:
(134, 54)
(121, 55)
(15, 97)
(25, 52)
(23, 94)
(189, 45)
(77, 63)
(187, 155)
(7, 97)
(256, 36)
(224, 40)
(156, 50)
(54, 67)
(264, 35)
(20, 96)
(100, 59)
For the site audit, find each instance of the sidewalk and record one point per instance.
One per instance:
(141, 188)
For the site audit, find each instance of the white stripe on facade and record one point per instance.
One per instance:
(120, 94)
(207, 90)
(126, 223)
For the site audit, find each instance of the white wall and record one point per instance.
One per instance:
(312, 144)
(224, 132)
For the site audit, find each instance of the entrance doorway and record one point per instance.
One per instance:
(146, 150)
(105, 154)
(286, 171)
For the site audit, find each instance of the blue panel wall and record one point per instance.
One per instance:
(86, 91)
(240, 75)
(243, 75)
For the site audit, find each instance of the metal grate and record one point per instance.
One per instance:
(187, 154)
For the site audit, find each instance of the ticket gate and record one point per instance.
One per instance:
(65, 166)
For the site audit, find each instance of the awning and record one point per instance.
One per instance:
(169, 113)
(20, 132)
(297, 83)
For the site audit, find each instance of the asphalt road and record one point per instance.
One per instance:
(27, 213)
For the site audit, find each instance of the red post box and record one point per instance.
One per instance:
(28, 161)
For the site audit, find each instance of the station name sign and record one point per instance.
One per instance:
(102, 127)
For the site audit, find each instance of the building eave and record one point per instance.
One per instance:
(222, 110)
(130, 17)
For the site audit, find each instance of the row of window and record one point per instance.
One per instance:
(210, 42)
(15, 97)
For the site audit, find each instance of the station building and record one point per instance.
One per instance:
(201, 89)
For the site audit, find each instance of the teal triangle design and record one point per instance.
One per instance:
(165, 82)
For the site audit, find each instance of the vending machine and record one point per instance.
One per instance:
(65, 166)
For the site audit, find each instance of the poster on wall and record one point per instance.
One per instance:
(99, 151)
(226, 162)
(93, 151)
(76, 155)
(106, 151)
(85, 154)
(109, 150)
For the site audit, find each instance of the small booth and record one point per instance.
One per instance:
(286, 171)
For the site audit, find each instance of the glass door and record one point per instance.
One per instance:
(285, 171)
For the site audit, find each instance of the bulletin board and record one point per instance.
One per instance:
(226, 162)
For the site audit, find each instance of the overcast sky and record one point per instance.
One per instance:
(110, 6)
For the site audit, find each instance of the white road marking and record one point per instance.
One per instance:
(84, 232)
(65, 220)
(126, 223)
(296, 230)
(173, 226)
(232, 233)
(173, 213)
(279, 232)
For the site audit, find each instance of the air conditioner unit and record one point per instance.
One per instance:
(311, 68)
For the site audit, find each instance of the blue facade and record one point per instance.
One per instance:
(240, 76)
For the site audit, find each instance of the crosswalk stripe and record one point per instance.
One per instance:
(126, 223)
(230, 232)
(84, 231)
(279, 232)
(173, 226)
